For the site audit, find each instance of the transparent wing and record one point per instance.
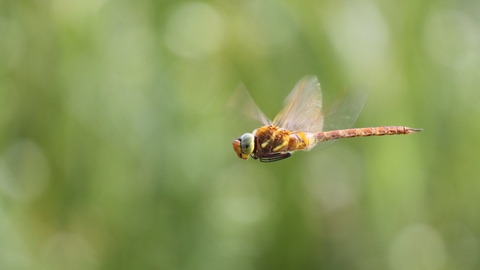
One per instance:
(343, 113)
(345, 110)
(303, 107)
(242, 101)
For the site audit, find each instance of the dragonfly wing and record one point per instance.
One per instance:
(242, 101)
(345, 110)
(343, 113)
(303, 107)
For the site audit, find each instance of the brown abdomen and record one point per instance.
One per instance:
(364, 132)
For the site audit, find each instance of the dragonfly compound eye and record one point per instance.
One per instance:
(247, 143)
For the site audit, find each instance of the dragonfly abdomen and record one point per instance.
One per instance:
(363, 132)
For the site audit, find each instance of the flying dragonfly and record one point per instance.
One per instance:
(301, 124)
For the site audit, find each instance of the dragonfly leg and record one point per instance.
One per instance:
(275, 157)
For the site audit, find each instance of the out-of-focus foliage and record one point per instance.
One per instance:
(115, 143)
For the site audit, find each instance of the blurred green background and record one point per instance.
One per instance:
(115, 143)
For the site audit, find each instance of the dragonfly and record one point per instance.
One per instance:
(302, 124)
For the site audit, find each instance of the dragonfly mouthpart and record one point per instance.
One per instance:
(244, 145)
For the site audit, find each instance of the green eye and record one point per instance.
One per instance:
(247, 143)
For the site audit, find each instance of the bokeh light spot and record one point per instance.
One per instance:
(266, 27)
(360, 36)
(24, 171)
(451, 38)
(418, 247)
(195, 30)
(69, 251)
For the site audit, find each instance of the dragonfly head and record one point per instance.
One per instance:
(244, 145)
